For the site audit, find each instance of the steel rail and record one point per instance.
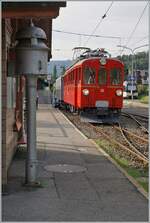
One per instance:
(130, 144)
(138, 115)
(145, 160)
(130, 113)
(132, 117)
(97, 129)
(132, 134)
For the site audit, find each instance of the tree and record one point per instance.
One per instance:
(140, 61)
(54, 75)
(63, 70)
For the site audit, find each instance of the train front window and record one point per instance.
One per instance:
(115, 76)
(89, 75)
(102, 76)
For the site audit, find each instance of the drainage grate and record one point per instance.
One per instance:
(65, 168)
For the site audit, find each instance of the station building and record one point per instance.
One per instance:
(17, 15)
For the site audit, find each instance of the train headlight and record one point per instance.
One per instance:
(85, 92)
(119, 92)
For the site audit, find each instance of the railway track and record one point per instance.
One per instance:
(127, 146)
(134, 152)
(136, 148)
(143, 117)
(132, 134)
(138, 119)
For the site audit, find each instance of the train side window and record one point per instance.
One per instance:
(79, 74)
(115, 76)
(73, 75)
(102, 76)
(69, 78)
(89, 75)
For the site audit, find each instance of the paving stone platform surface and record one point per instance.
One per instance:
(100, 193)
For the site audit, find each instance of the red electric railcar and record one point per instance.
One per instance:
(93, 86)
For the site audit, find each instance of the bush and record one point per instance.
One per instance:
(142, 90)
(144, 99)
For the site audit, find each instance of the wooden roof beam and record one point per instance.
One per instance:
(22, 10)
(38, 12)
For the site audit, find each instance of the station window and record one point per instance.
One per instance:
(89, 75)
(102, 76)
(115, 76)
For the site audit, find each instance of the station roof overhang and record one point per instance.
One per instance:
(20, 10)
(41, 14)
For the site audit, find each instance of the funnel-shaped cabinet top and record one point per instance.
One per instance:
(31, 51)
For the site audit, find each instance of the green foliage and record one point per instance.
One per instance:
(54, 74)
(140, 61)
(142, 90)
(53, 79)
(144, 99)
(63, 70)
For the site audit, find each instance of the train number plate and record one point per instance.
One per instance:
(102, 104)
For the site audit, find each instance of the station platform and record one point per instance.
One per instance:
(78, 182)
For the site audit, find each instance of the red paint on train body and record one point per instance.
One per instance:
(92, 84)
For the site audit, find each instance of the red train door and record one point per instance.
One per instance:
(78, 87)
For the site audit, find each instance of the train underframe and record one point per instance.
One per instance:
(100, 115)
(93, 115)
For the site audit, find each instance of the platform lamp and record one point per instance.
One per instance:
(31, 62)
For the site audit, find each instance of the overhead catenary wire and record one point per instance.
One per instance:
(84, 34)
(135, 27)
(105, 14)
(145, 37)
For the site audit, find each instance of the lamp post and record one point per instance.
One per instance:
(132, 50)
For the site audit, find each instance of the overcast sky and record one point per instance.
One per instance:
(83, 17)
